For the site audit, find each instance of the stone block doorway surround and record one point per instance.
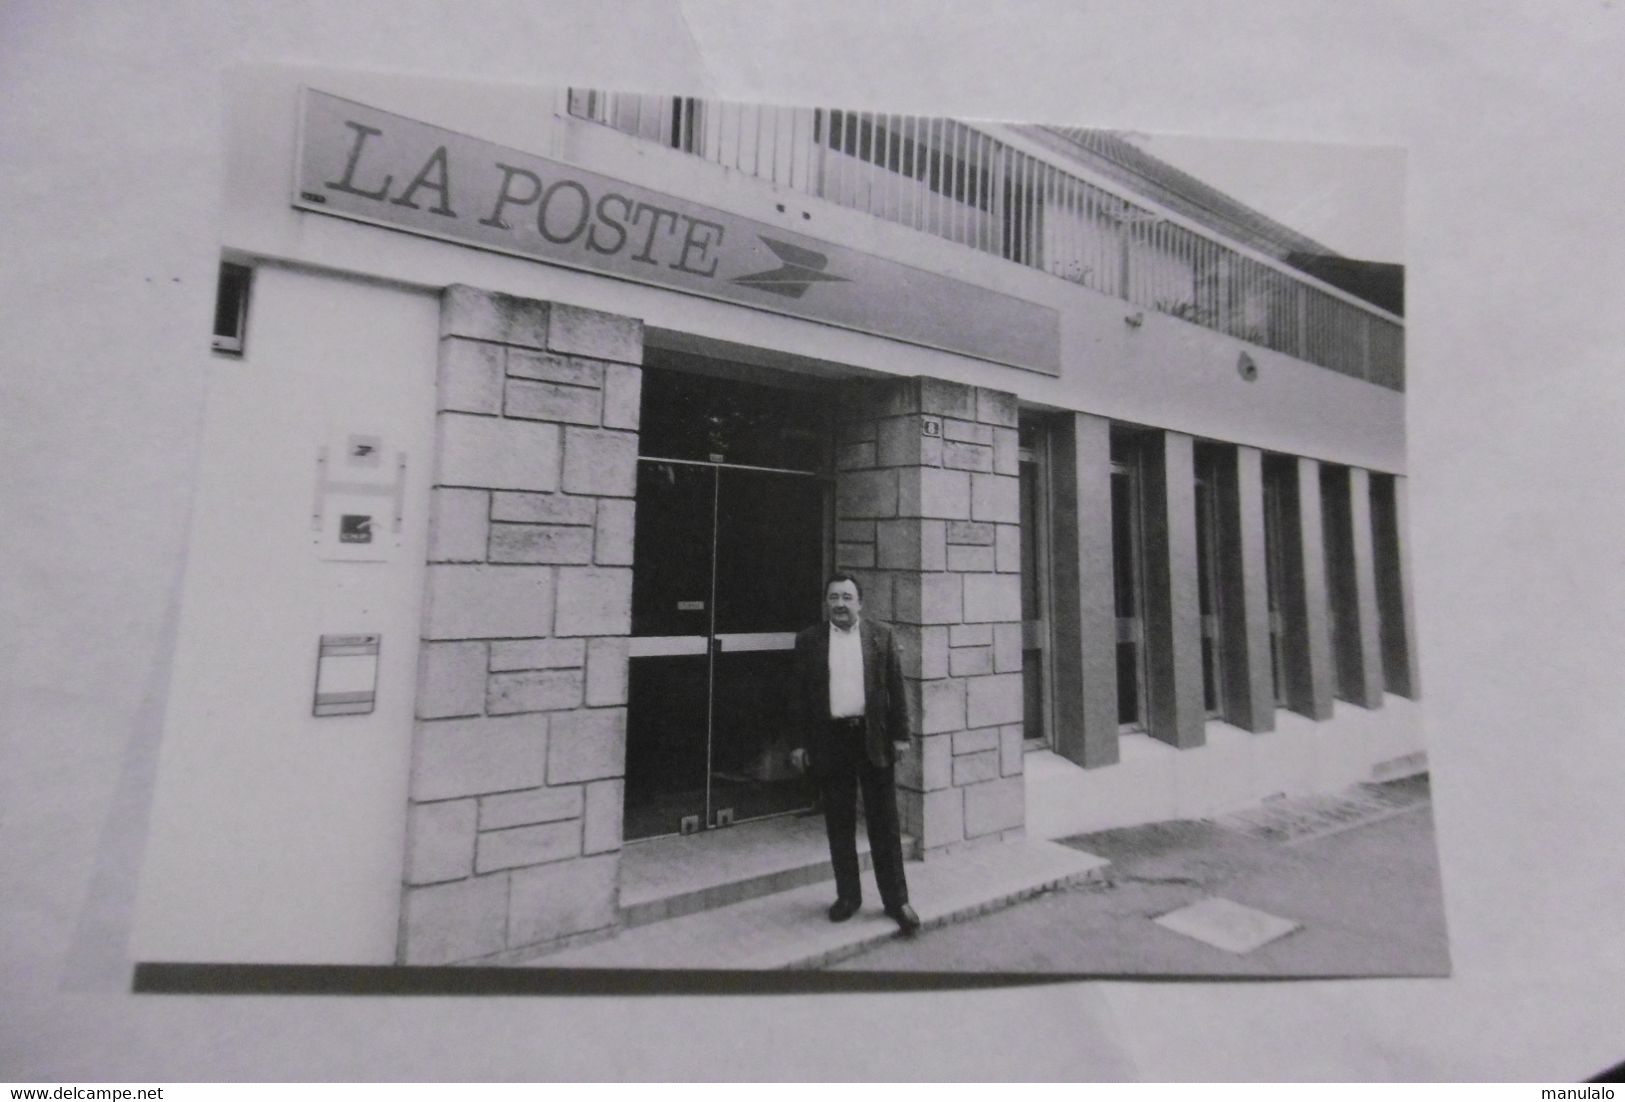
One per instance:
(516, 801)
(928, 515)
(514, 816)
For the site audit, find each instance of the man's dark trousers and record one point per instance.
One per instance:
(850, 769)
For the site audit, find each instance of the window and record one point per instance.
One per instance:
(1275, 534)
(231, 308)
(1128, 578)
(1208, 580)
(1385, 539)
(1033, 455)
(1341, 586)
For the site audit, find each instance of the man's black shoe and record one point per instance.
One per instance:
(907, 921)
(843, 909)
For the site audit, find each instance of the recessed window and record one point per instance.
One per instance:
(1033, 459)
(231, 308)
(1128, 583)
(1210, 582)
(1276, 479)
(1342, 586)
(1385, 539)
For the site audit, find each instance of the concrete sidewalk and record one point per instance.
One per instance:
(789, 929)
(1340, 884)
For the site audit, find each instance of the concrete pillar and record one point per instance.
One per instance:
(519, 752)
(1173, 628)
(928, 474)
(1083, 630)
(1249, 690)
(1390, 534)
(1305, 607)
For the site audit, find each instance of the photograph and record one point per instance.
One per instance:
(703, 535)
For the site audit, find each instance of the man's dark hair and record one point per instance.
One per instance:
(842, 576)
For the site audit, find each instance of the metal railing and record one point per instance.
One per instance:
(943, 177)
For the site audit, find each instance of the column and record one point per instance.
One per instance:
(514, 820)
(1249, 691)
(928, 516)
(1305, 611)
(1173, 628)
(1083, 632)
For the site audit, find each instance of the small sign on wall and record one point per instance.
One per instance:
(360, 491)
(346, 675)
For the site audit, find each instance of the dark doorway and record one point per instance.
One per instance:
(729, 556)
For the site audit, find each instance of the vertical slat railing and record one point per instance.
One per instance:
(933, 173)
(894, 165)
(921, 173)
(957, 182)
(866, 154)
(976, 198)
(1070, 244)
(967, 174)
(756, 139)
(1088, 233)
(1035, 213)
(1018, 208)
(942, 140)
(956, 192)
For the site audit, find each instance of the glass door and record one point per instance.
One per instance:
(729, 564)
(669, 673)
(770, 567)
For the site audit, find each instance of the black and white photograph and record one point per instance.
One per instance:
(670, 526)
(642, 497)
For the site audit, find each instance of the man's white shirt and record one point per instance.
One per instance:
(845, 672)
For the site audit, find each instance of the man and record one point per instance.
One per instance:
(852, 717)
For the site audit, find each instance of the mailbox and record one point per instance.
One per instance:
(346, 675)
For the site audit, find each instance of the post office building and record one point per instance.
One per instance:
(537, 419)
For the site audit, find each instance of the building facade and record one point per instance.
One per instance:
(540, 418)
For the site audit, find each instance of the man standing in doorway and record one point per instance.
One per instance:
(851, 712)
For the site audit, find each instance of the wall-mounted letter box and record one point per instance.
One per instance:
(346, 675)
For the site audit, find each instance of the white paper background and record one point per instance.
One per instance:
(1512, 115)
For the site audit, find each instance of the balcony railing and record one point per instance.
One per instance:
(952, 180)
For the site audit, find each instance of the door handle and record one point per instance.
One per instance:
(735, 642)
(651, 646)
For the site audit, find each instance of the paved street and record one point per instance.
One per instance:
(1358, 872)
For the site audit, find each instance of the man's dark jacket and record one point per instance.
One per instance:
(885, 698)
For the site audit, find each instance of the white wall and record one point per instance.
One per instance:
(277, 836)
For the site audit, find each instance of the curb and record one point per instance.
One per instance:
(948, 918)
